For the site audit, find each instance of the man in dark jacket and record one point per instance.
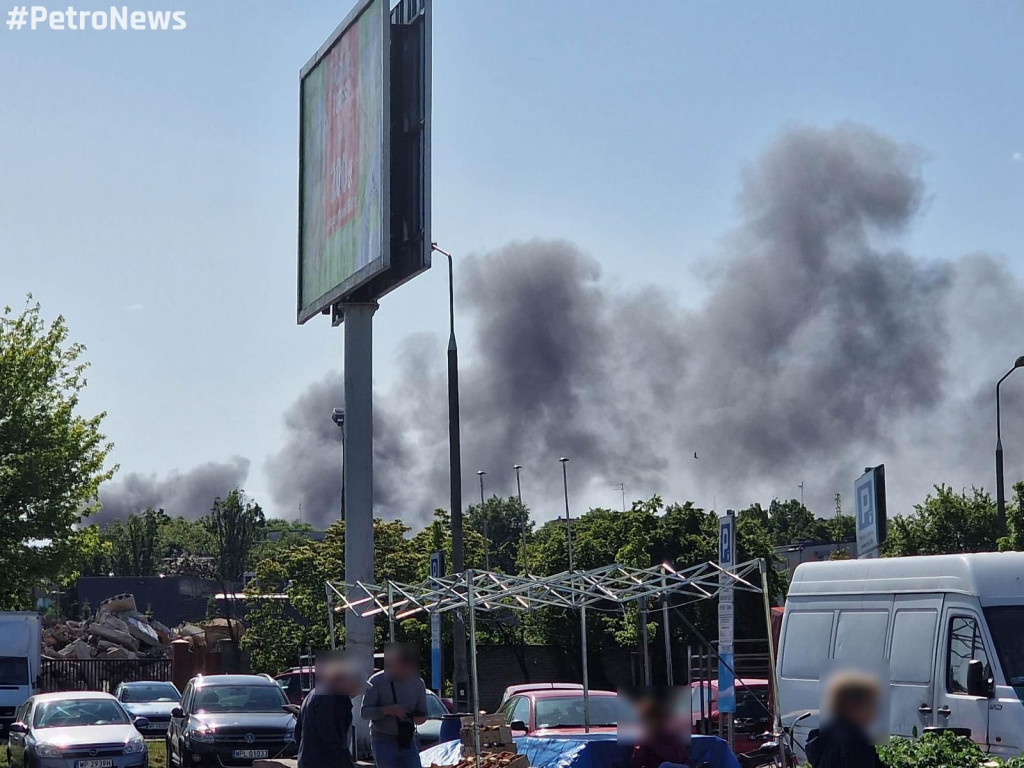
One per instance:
(325, 719)
(844, 741)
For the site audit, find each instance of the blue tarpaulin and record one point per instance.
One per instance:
(594, 751)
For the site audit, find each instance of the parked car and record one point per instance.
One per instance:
(75, 729)
(512, 690)
(151, 699)
(230, 720)
(429, 733)
(297, 682)
(753, 714)
(559, 712)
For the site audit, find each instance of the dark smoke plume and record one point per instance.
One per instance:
(820, 348)
(187, 494)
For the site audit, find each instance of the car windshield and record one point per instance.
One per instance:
(13, 671)
(77, 712)
(139, 692)
(567, 711)
(240, 698)
(1006, 623)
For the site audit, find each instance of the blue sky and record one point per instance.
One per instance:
(148, 180)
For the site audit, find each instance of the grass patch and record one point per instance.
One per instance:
(157, 753)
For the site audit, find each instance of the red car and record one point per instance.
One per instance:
(753, 711)
(559, 712)
(296, 683)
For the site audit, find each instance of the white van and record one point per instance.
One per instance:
(949, 628)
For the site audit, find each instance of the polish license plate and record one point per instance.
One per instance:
(246, 754)
(102, 763)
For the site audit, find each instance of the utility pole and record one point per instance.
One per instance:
(483, 514)
(526, 517)
(461, 670)
(568, 521)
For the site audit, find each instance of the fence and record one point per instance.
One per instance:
(99, 674)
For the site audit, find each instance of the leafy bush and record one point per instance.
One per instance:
(940, 750)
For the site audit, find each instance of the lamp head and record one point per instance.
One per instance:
(564, 459)
(1019, 362)
(481, 472)
(517, 466)
(338, 416)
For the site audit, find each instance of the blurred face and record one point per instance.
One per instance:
(863, 715)
(396, 662)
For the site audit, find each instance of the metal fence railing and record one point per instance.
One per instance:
(99, 674)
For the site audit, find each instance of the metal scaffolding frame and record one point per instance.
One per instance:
(488, 591)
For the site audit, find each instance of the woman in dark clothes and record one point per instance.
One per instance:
(844, 742)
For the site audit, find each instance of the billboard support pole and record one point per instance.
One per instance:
(359, 474)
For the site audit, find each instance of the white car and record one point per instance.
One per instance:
(75, 729)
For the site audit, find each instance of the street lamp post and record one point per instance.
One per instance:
(487, 538)
(460, 671)
(568, 522)
(338, 417)
(522, 509)
(1000, 494)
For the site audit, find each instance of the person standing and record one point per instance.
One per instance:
(395, 702)
(325, 718)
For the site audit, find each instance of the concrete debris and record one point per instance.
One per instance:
(120, 631)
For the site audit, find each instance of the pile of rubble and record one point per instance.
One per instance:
(118, 631)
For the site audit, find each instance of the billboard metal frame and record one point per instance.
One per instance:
(380, 263)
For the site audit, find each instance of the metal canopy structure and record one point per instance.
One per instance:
(476, 591)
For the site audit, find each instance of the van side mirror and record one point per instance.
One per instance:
(177, 712)
(518, 725)
(977, 683)
(17, 728)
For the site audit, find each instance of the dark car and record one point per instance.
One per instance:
(753, 714)
(152, 700)
(230, 720)
(429, 733)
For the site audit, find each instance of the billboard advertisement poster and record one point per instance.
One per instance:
(344, 128)
(726, 615)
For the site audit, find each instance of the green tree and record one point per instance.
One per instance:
(51, 457)
(237, 525)
(135, 545)
(946, 522)
(504, 520)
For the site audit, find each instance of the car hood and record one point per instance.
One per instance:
(150, 708)
(216, 720)
(85, 734)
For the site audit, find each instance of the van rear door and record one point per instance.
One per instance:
(912, 656)
(962, 640)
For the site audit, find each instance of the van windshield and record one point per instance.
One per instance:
(1006, 623)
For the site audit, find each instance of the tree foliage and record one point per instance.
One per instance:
(52, 458)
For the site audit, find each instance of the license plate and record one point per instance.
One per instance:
(245, 754)
(109, 763)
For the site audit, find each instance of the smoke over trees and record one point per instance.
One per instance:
(820, 347)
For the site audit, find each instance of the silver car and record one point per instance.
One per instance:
(76, 729)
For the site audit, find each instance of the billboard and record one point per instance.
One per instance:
(344, 170)
(364, 158)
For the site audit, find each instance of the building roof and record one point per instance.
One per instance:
(992, 576)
